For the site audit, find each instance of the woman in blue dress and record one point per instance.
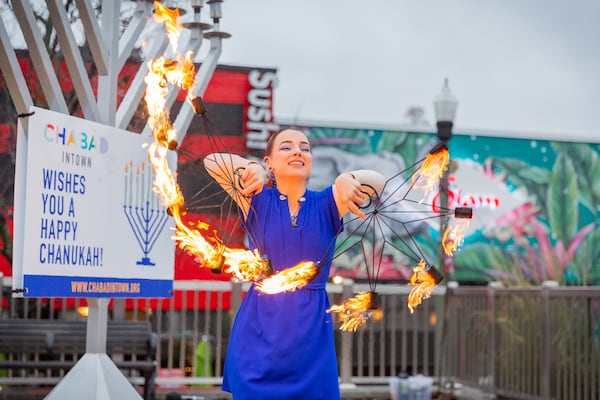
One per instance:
(281, 345)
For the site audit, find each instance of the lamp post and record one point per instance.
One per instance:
(445, 105)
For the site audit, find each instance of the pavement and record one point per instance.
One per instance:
(349, 392)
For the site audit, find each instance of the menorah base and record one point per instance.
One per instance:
(146, 261)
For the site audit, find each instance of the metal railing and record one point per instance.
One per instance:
(524, 343)
(193, 331)
(520, 343)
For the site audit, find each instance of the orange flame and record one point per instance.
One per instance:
(356, 311)
(244, 264)
(210, 251)
(289, 279)
(161, 73)
(190, 239)
(432, 169)
(423, 283)
(454, 236)
(173, 25)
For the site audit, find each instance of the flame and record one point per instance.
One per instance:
(423, 283)
(173, 25)
(196, 239)
(289, 279)
(432, 169)
(244, 264)
(212, 253)
(454, 236)
(191, 240)
(161, 73)
(356, 311)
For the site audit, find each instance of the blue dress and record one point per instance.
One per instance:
(281, 346)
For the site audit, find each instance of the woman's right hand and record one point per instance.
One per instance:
(252, 179)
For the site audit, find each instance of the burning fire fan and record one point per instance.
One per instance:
(394, 213)
(394, 218)
(208, 241)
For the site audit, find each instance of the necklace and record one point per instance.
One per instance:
(294, 214)
(294, 219)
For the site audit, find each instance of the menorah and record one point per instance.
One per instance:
(142, 208)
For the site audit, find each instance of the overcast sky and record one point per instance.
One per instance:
(528, 67)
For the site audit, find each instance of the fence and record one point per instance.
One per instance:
(526, 343)
(193, 331)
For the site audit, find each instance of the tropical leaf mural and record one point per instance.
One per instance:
(559, 239)
(542, 225)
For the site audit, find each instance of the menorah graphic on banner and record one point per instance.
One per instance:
(143, 209)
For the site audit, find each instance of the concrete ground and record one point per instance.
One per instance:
(356, 392)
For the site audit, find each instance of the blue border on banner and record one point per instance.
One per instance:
(84, 286)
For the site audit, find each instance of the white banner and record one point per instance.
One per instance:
(92, 226)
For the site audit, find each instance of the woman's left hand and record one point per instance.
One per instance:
(349, 195)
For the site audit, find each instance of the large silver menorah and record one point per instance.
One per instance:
(142, 208)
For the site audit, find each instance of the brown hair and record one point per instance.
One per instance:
(271, 141)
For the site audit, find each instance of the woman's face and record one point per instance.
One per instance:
(290, 156)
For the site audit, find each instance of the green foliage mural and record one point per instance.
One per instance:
(554, 237)
(537, 203)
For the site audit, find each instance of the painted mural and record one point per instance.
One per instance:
(535, 203)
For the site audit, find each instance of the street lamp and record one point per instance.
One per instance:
(445, 105)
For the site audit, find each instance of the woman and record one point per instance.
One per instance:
(281, 346)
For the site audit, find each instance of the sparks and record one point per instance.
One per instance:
(190, 239)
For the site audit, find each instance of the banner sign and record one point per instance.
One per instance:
(92, 225)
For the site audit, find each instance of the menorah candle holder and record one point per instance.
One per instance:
(143, 210)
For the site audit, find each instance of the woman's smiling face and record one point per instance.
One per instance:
(290, 155)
